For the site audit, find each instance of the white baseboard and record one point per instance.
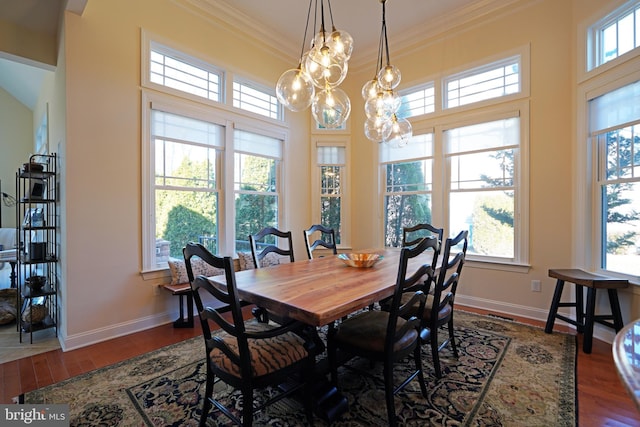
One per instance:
(84, 339)
(600, 332)
(95, 336)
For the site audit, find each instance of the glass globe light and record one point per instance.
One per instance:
(389, 77)
(331, 108)
(295, 90)
(391, 101)
(325, 69)
(370, 89)
(377, 130)
(401, 132)
(376, 107)
(341, 43)
(320, 39)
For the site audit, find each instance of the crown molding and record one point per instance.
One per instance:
(244, 26)
(403, 42)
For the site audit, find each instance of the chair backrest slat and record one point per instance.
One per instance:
(412, 235)
(327, 239)
(259, 255)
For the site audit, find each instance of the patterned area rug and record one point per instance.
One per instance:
(508, 374)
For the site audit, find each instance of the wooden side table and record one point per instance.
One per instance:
(585, 318)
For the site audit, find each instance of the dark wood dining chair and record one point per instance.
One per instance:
(438, 311)
(412, 235)
(326, 239)
(264, 250)
(386, 336)
(247, 355)
(265, 242)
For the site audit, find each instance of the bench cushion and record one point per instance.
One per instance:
(179, 270)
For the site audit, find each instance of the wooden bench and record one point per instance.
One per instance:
(585, 318)
(182, 290)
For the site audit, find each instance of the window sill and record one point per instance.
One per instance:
(155, 274)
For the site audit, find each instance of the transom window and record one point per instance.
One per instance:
(490, 81)
(250, 97)
(418, 101)
(170, 68)
(615, 35)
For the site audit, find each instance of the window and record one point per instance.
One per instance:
(211, 171)
(479, 84)
(464, 168)
(256, 184)
(407, 174)
(417, 101)
(185, 152)
(172, 69)
(615, 132)
(615, 35)
(331, 167)
(482, 159)
(248, 96)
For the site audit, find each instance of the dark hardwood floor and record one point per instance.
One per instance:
(602, 399)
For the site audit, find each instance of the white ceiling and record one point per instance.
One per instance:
(277, 21)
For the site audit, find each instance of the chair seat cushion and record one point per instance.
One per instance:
(367, 331)
(444, 313)
(267, 355)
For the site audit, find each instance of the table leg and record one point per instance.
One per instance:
(589, 320)
(580, 315)
(555, 303)
(615, 309)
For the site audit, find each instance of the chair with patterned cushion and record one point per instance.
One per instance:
(412, 235)
(386, 336)
(247, 355)
(264, 245)
(438, 311)
(326, 238)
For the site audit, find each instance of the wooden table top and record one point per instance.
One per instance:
(318, 291)
(626, 355)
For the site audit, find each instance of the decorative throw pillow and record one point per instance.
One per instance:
(246, 261)
(200, 268)
(272, 258)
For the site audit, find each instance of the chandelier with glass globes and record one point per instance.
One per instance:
(320, 71)
(381, 101)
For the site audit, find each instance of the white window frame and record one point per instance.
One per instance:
(587, 227)
(476, 71)
(345, 195)
(220, 113)
(275, 109)
(398, 155)
(510, 105)
(589, 42)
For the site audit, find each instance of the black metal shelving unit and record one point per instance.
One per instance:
(37, 239)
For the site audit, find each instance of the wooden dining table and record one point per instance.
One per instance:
(318, 291)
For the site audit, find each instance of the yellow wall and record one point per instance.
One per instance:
(97, 84)
(16, 143)
(105, 292)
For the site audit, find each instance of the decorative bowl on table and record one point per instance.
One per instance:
(36, 283)
(360, 260)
